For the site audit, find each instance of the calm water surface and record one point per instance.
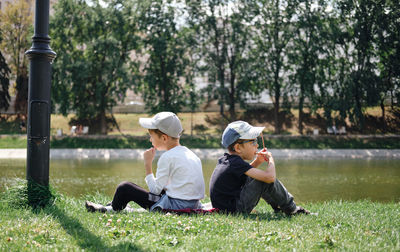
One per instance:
(307, 180)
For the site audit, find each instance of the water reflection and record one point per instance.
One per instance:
(307, 180)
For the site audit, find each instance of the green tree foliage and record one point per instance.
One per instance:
(163, 85)
(211, 47)
(388, 50)
(305, 53)
(360, 17)
(273, 31)
(223, 37)
(195, 97)
(93, 67)
(332, 69)
(340, 55)
(238, 38)
(359, 39)
(16, 22)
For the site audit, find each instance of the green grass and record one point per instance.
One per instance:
(65, 225)
(282, 142)
(209, 122)
(12, 142)
(129, 123)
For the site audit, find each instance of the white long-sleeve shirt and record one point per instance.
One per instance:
(179, 173)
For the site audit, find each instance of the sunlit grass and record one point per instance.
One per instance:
(60, 122)
(11, 142)
(129, 123)
(65, 225)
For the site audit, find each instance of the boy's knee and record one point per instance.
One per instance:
(124, 186)
(270, 180)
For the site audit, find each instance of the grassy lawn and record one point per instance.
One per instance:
(12, 142)
(65, 225)
(129, 123)
(201, 123)
(201, 130)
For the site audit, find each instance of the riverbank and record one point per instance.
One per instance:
(207, 153)
(66, 226)
(212, 141)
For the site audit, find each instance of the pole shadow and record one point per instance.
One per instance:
(269, 216)
(84, 238)
(40, 199)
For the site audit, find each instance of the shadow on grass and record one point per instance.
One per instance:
(41, 199)
(267, 216)
(84, 238)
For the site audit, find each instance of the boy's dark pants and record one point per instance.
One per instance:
(274, 194)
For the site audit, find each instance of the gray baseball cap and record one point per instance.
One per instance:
(166, 122)
(239, 130)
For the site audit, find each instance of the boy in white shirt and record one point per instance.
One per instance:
(179, 181)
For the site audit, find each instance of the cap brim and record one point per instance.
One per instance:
(254, 132)
(147, 123)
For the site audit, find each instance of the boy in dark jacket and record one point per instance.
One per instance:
(237, 186)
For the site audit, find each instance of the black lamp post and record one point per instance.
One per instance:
(40, 56)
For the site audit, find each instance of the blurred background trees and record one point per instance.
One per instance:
(162, 82)
(92, 70)
(270, 66)
(223, 45)
(16, 27)
(323, 58)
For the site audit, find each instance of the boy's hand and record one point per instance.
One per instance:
(148, 156)
(263, 155)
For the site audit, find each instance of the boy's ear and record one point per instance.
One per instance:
(236, 148)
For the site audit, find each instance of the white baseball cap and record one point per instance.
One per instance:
(239, 130)
(166, 122)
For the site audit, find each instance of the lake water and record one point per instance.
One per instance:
(307, 180)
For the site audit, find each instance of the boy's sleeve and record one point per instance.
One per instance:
(241, 167)
(158, 183)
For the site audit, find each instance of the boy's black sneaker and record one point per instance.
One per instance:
(93, 207)
(300, 210)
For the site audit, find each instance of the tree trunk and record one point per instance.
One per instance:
(103, 123)
(358, 110)
(21, 100)
(277, 104)
(301, 104)
(221, 98)
(221, 91)
(232, 111)
(391, 99)
(276, 117)
(191, 124)
(383, 116)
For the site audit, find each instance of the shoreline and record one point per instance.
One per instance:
(208, 153)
